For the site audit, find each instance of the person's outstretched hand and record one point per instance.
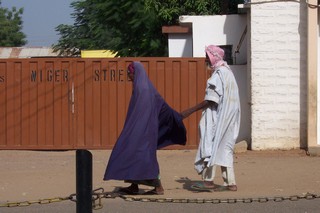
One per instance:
(204, 104)
(184, 114)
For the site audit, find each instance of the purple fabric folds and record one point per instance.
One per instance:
(150, 124)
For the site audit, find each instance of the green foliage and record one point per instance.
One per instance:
(127, 27)
(170, 10)
(11, 34)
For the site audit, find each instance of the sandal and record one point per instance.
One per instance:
(129, 190)
(232, 188)
(203, 187)
(153, 192)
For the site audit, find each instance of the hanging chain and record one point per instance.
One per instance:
(28, 203)
(99, 193)
(307, 196)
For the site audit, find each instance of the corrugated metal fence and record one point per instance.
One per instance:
(74, 103)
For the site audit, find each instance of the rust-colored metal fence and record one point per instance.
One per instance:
(74, 103)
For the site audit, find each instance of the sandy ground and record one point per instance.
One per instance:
(34, 175)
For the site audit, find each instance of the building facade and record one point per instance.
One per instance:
(281, 78)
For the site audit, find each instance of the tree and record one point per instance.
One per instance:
(128, 27)
(11, 34)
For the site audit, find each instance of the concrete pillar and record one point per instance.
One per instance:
(313, 146)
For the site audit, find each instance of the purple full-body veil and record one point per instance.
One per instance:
(150, 124)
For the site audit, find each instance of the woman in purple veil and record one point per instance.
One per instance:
(150, 124)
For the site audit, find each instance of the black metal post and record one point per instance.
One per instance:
(84, 181)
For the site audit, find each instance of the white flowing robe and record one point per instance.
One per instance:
(219, 127)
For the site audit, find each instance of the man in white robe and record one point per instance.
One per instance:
(219, 124)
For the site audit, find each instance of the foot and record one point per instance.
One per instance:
(154, 191)
(159, 190)
(209, 184)
(232, 188)
(133, 189)
(226, 188)
(205, 185)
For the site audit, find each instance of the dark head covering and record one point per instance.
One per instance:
(150, 124)
(131, 68)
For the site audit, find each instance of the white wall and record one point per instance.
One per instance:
(318, 80)
(218, 30)
(279, 75)
(180, 45)
(240, 73)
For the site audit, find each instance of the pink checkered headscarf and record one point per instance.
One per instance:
(215, 55)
